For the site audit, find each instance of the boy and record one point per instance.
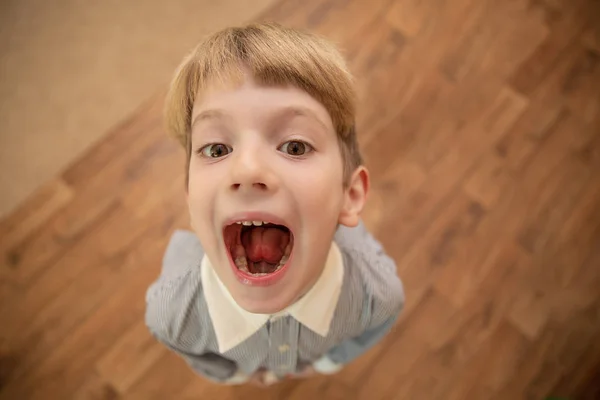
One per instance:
(280, 277)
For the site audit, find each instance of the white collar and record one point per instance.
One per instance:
(233, 324)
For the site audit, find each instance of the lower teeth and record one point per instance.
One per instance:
(239, 255)
(242, 265)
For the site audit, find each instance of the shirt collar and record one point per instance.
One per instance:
(233, 324)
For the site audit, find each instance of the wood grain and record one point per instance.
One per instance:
(480, 124)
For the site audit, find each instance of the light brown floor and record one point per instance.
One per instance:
(70, 70)
(481, 127)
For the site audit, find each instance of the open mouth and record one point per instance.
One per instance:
(258, 248)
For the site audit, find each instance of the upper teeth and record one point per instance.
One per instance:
(248, 223)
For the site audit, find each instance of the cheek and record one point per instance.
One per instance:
(321, 190)
(321, 202)
(200, 201)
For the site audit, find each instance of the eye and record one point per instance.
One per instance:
(215, 150)
(295, 148)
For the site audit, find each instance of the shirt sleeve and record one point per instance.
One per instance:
(210, 365)
(349, 350)
(170, 303)
(384, 296)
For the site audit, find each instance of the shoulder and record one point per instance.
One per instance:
(183, 254)
(174, 300)
(366, 260)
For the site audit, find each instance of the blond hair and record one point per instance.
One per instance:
(275, 56)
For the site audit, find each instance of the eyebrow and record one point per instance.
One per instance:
(209, 114)
(281, 114)
(293, 111)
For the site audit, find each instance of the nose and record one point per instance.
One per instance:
(251, 172)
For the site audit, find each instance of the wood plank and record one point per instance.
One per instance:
(122, 295)
(390, 190)
(331, 18)
(95, 388)
(50, 297)
(583, 382)
(25, 223)
(591, 38)
(445, 237)
(166, 376)
(32, 214)
(135, 133)
(488, 182)
(553, 168)
(397, 368)
(506, 347)
(74, 357)
(202, 389)
(582, 84)
(443, 375)
(470, 55)
(439, 29)
(95, 185)
(130, 357)
(471, 275)
(566, 24)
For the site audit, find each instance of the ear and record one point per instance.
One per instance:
(355, 197)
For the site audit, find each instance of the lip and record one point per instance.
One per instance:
(256, 216)
(267, 280)
(247, 279)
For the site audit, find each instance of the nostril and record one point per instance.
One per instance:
(258, 185)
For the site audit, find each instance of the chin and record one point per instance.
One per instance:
(262, 303)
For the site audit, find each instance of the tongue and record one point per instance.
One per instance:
(265, 244)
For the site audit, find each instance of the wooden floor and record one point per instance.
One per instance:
(480, 123)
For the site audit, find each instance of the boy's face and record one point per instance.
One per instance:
(271, 155)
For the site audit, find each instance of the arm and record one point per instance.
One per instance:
(349, 350)
(384, 296)
(171, 316)
(210, 365)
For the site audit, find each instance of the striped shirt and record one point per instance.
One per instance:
(369, 303)
(233, 324)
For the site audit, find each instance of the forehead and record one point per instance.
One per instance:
(252, 101)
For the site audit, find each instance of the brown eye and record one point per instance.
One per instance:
(295, 148)
(215, 150)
